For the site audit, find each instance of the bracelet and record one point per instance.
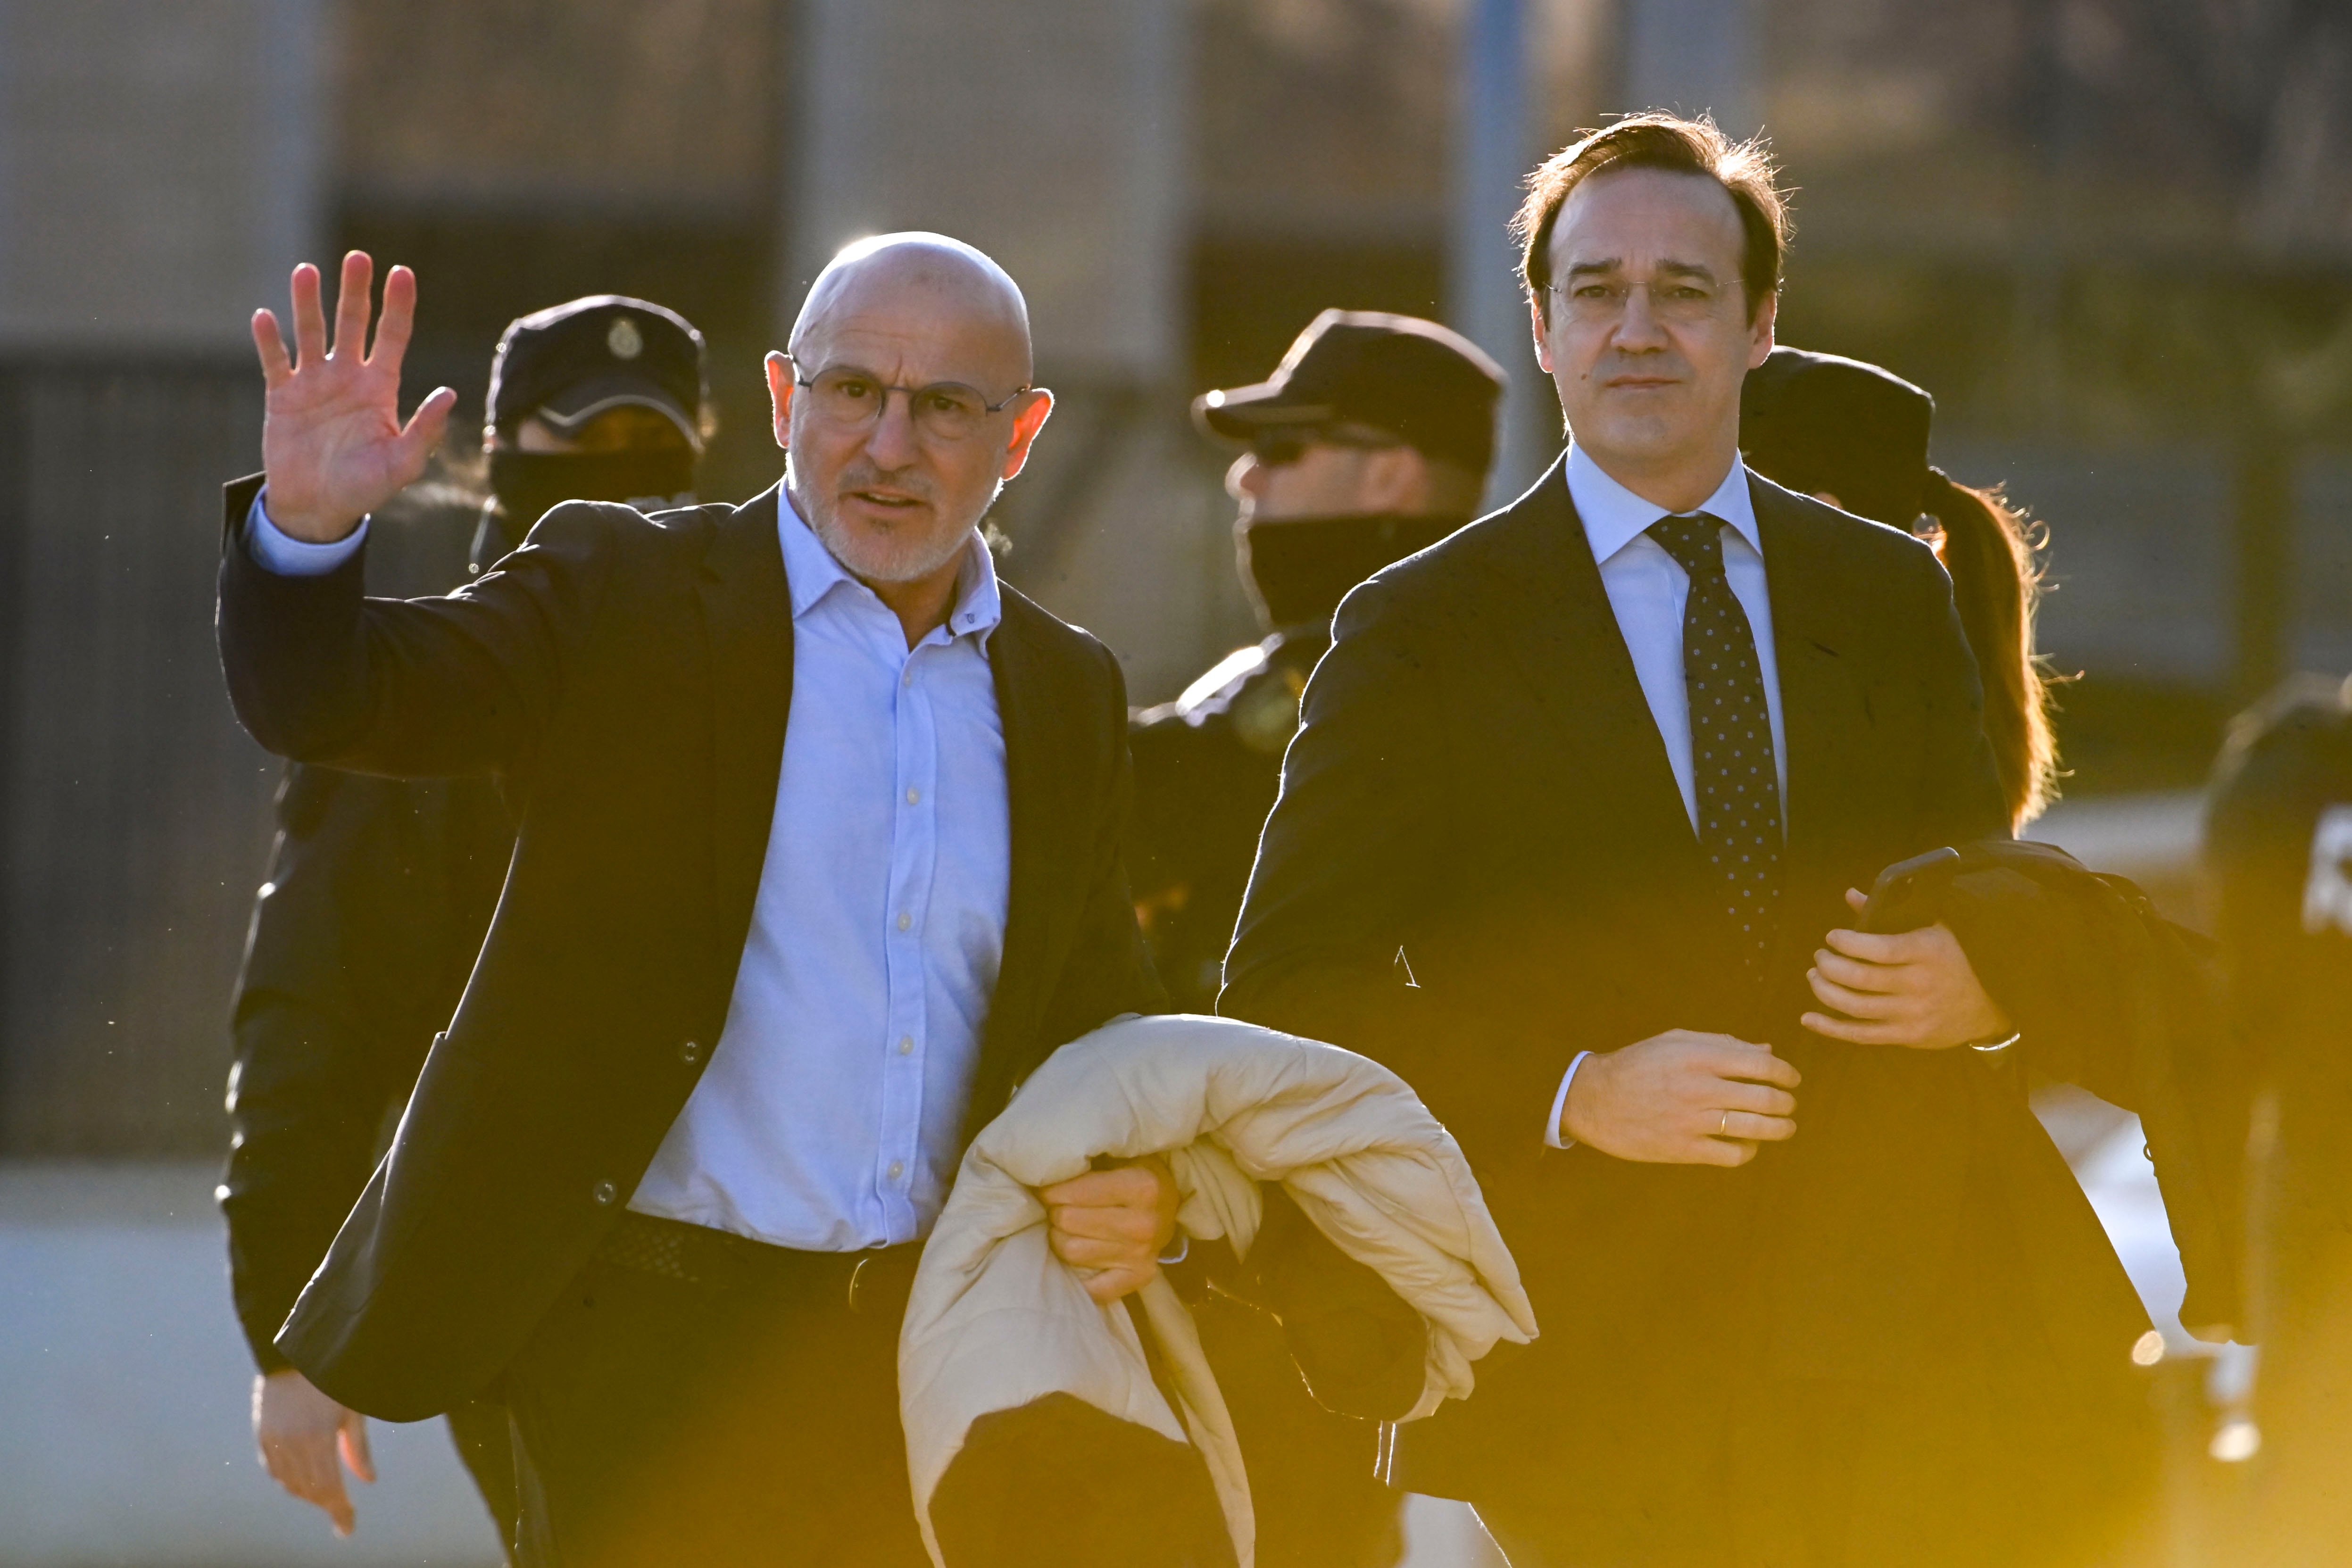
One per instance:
(2014, 1036)
(1183, 1250)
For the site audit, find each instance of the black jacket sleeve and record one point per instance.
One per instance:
(1357, 831)
(411, 688)
(1358, 843)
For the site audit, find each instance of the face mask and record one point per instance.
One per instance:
(1302, 567)
(527, 484)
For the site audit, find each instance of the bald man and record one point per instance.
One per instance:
(752, 983)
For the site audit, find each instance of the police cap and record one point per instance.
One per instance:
(573, 361)
(1818, 423)
(1428, 386)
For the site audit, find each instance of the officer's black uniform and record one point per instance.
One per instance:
(380, 890)
(1207, 767)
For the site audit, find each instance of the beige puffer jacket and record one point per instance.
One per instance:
(996, 1321)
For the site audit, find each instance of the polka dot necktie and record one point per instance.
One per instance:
(1732, 768)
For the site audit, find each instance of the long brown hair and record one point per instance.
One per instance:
(1989, 547)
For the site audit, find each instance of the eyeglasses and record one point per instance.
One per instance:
(1679, 300)
(848, 398)
(1279, 449)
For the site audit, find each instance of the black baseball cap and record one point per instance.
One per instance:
(571, 362)
(1816, 423)
(1427, 385)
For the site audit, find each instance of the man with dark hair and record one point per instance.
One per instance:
(1370, 441)
(380, 889)
(1570, 837)
(1744, 171)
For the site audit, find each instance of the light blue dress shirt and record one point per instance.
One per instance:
(273, 549)
(1646, 589)
(828, 1116)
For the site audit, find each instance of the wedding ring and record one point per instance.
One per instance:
(1723, 1128)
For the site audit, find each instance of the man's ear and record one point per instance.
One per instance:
(780, 394)
(1536, 325)
(1027, 421)
(1759, 347)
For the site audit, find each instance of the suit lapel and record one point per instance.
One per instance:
(1049, 794)
(747, 616)
(1571, 657)
(1822, 712)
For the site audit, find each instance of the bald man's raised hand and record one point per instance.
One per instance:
(332, 439)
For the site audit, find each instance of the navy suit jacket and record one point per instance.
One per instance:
(1480, 864)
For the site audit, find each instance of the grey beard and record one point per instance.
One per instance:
(891, 562)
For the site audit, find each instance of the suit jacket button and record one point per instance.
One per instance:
(690, 1053)
(605, 1192)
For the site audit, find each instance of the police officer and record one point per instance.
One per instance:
(379, 892)
(1371, 441)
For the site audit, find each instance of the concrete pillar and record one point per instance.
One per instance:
(1050, 134)
(1695, 57)
(160, 171)
(1495, 146)
(161, 167)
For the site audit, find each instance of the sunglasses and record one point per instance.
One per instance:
(1279, 449)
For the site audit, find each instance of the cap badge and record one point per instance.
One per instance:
(625, 341)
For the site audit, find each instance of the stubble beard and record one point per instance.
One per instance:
(900, 555)
(904, 553)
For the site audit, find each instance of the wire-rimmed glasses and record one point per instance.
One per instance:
(848, 397)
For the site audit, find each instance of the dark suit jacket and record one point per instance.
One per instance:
(1479, 864)
(628, 678)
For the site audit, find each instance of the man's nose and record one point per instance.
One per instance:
(893, 442)
(1638, 327)
(1246, 477)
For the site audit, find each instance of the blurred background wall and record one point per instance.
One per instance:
(2114, 238)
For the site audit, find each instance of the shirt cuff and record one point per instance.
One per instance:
(275, 551)
(1552, 1140)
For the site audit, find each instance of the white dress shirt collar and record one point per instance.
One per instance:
(811, 572)
(1614, 517)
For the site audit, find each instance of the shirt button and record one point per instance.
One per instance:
(908, 679)
(906, 1044)
(690, 1053)
(898, 1168)
(604, 1193)
(913, 795)
(905, 921)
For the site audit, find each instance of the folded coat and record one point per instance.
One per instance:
(997, 1323)
(2110, 995)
